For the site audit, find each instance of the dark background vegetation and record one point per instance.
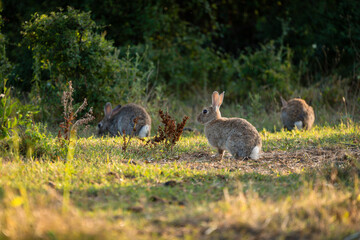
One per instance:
(149, 51)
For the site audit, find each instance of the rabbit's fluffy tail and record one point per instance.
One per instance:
(299, 124)
(144, 131)
(255, 153)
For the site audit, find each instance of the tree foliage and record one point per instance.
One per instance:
(66, 47)
(244, 47)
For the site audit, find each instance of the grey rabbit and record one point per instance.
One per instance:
(296, 112)
(121, 119)
(235, 135)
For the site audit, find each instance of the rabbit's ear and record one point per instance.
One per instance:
(215, 98)
(108, 110)
(220, 99)
(116, 110)
(283, 101)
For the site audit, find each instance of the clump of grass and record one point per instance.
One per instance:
(170, 132)
(71, 123)
(318, 210)
(35, 217)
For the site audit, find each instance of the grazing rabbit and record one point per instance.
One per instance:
(235, 135)
(297, 113)
(121, 118)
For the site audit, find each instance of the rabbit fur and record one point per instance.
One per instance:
(235, 135)
(297, 113)
(121, 119)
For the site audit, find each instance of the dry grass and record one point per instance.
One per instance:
(318, 212)
(42, 217)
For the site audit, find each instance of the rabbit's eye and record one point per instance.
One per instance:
(99, 125)
(205, 111)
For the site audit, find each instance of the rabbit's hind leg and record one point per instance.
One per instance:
(236, 146)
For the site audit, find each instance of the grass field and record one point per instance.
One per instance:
(305, 186)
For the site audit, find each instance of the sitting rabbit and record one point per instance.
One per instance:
(297, 113)
(235, 135)
(121, 119)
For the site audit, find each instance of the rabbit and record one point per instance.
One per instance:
(297, 113)
(235, 135)
(121, 118)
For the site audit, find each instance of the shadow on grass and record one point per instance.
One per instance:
(125, 190)
(194, 190)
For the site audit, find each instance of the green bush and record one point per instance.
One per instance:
(18, 134)
(32, 141)
(267, 71)
(8, 120)
(187, 66)
(66, 47)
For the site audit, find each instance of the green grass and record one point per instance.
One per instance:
(305, 186)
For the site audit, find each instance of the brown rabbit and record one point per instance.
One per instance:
(235, 135)
(296, 112)
(121, 119)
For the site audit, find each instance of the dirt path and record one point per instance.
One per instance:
(273, 161)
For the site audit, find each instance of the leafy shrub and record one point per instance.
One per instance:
(32, 141)
(35, 143)
(13, 114)
(187, 66)
(7, 109)
(17, 130)
(267, 71)
(66, 47)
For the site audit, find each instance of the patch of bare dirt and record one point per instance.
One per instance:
(270, 162)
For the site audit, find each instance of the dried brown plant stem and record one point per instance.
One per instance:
(69, 126)
(170, 133)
